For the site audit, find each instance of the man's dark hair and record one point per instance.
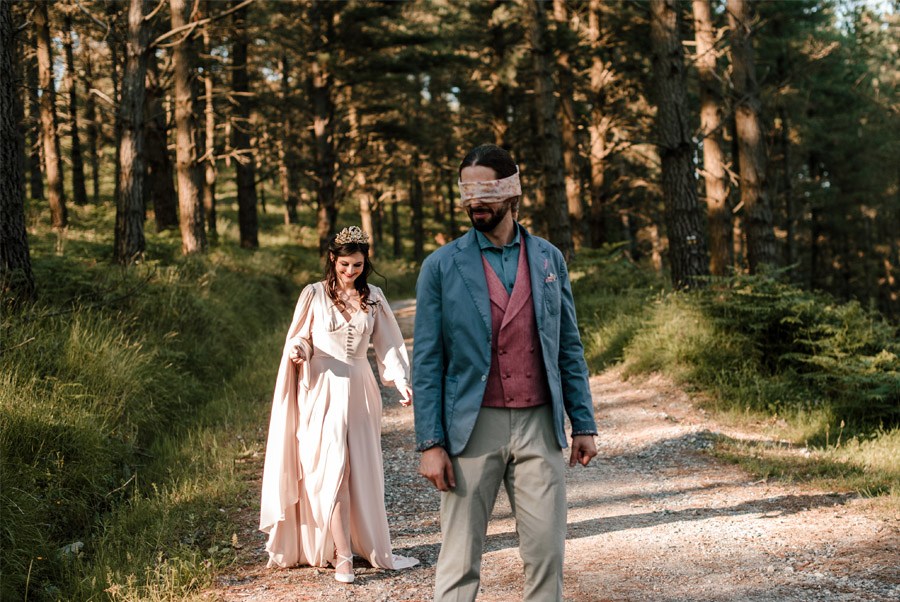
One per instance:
(490, 155)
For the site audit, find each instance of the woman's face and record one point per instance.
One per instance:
(349, 267)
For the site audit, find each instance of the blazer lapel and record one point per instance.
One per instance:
(468, 262)
(522, 289)
(538, 262)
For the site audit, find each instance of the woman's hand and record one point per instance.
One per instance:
(406, 395)
(296, 355)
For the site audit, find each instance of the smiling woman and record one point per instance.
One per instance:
(326, 418)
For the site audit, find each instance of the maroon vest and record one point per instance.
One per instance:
(517, 378)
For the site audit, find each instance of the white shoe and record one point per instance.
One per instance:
(344, 577)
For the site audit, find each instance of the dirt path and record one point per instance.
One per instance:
(655, 517)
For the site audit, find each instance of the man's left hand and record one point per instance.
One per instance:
(583, 449)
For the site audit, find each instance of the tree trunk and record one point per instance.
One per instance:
(35, 172)
(129, 241)
(599, 126)
(209, 165)
(159, 181)
(322, 18)
(751, 141)
(790, 251)
(187, 137)
(395, 228)
(549, 143)
(91, 127)
(451, 204)
(500, 88)
(685, 221)
(717, 209)
(79, 193)
(365, 209)
(115, 76)
(286, 163)
(246, 164)
(568, 121)
(16, 277)
(415, 201)
(49, 128)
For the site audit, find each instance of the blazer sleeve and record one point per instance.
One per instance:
(573, 369)
(428, 358)
(390, 350)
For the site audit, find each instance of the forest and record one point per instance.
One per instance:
(721, 174)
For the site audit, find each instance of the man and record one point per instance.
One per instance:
(497, 360)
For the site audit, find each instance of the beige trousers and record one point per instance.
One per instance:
(519, 449)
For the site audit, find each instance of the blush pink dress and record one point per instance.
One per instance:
(326, 427)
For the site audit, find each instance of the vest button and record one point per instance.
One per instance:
(509, 399)
(528, 374)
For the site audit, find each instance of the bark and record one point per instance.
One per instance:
(715, 178)
(159, 182)
(16, 276)
(758, 217)
(500, 89)
(91, 127)
(685, 220)
(599, 126)
(321, 84)
(79, 193)
(548, 138)
(209, 165)
(49, 123)
(395, 228)
(187, 137)
(568, 121)
(416, 202)
(286, 163)
(451, 203)
(35, 171)
(790, 251)
(365, 210)
(129, 242)
(245, 169)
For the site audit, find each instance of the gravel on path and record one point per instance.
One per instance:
(654, 517)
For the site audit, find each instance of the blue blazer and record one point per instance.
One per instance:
(452, 350)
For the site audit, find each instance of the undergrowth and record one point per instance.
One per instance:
(127, 398)
(821, 374)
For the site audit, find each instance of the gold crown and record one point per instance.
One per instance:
(353, 234)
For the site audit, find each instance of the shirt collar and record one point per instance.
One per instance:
(485, 244)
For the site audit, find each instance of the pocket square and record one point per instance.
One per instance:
(550, 278)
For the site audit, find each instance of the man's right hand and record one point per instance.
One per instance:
(434, 465)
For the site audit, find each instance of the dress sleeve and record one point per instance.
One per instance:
(300, 332)
(390, 350)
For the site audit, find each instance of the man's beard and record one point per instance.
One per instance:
(487, 224)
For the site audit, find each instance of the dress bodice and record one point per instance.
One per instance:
(335, 336)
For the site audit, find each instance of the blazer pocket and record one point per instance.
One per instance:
(551, 297)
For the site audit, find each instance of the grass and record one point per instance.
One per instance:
(130, 401)
(793, 366)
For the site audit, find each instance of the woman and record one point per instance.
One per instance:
(323, 482)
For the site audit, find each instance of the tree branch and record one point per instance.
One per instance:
(192, 26)
(104, 26)
(149, 16)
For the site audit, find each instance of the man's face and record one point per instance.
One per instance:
(484, 216)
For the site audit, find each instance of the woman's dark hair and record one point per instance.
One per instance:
(361, 284)
(490, 155)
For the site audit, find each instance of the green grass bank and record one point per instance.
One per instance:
(128, 399)
(820, 376)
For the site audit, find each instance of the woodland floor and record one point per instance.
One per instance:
(654, 517)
